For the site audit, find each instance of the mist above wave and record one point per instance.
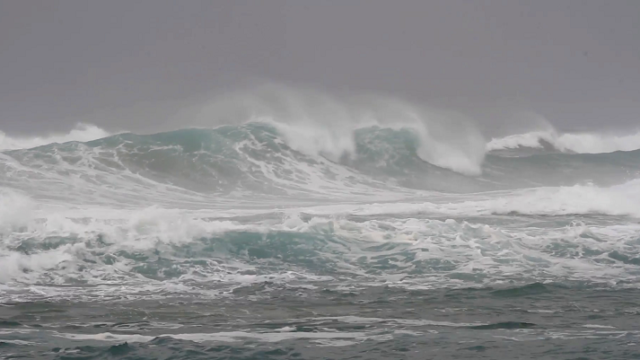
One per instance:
(316, 123)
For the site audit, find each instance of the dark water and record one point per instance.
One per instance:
(269, 321)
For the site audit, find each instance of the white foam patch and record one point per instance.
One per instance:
(231, 336)
(19, 342)
(82, 133)
(407, 322)
(595, 326)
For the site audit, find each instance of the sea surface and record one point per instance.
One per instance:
(256, 241)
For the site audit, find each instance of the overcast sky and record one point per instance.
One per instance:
(133, 63)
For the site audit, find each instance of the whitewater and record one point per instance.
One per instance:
(287, 236)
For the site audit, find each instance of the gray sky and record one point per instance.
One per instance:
(133, 63)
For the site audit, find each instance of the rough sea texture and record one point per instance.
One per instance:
(239, 242)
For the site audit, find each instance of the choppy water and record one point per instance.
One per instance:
(239, 243)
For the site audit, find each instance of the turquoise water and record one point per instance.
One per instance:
(229, 243)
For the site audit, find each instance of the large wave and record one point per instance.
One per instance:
(316, 123)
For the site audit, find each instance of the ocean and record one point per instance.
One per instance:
(263, 240)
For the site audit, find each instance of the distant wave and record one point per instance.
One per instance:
(82, 133)
(620, 199)
(582, 143)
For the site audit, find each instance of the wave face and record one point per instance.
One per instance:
(260, 234)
